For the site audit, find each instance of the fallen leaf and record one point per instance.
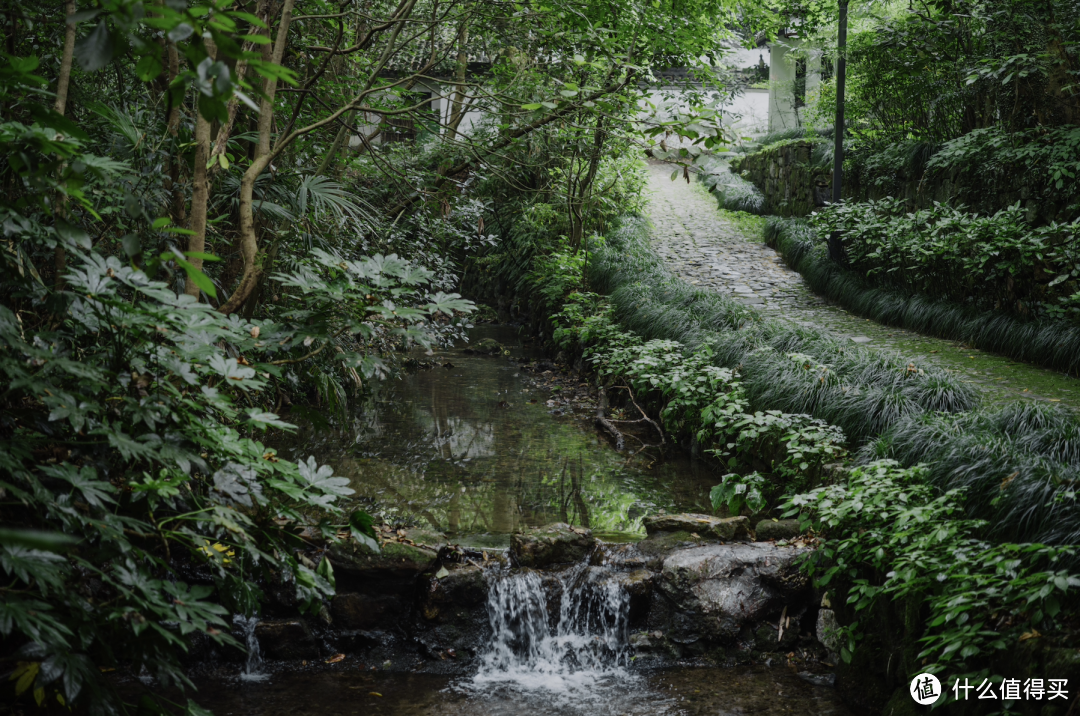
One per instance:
(443, 572)
(1030, 635)
(374, 693)
(695, 535)
(335, 658)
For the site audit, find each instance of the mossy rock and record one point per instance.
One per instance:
(487, 347)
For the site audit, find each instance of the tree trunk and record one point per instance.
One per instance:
(59, 255)
(262, 11)
(249, 242)
(457, 108)
(200, 192)
(335, 147)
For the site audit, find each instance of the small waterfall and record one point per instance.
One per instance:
(245, 631)
(572, 661)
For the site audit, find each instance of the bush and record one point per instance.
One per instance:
(888, 535)
(996, 262)
(694, 398)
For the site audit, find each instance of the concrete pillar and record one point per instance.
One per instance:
(782, 114)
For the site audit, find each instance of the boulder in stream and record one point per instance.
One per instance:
(716, 589)
(725, 529)
(777, 530)
(557, 543)
(392, 570)
(286, 639)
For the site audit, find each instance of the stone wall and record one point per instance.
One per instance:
(791, 184)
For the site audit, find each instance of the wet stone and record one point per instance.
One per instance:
(557, 543)
(286, 639)
(767, 530)
(705, 526)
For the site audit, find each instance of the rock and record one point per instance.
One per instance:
(426, 538)
(826, 630)
(767, 637)
(286, 639)
(639, 587)
(486, 346)
(353, 611)
(552, 544)
(392, 570)
(451, 621)
(657, 546)
(777, 530)
(722, 528)
(461, 587)
(723, 587)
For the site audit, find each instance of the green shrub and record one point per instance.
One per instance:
(996, 262)
(694, 398)
(888, 535)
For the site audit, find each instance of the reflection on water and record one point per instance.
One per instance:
(682, 691)
(462, 449)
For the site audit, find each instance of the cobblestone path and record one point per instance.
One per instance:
(704, 248)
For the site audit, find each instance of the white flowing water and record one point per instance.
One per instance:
(245, 631)
(572, 660)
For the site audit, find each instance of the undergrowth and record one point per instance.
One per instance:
(1050, 343)
(784, 366)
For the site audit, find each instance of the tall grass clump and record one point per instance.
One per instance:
(784, 366)
(732, 191)
(1050, 343)
(1019, 465)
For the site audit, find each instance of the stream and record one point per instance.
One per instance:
(476, 448)
(471, 448)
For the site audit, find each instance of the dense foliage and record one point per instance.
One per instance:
(888, 536)
(216, 212)
(996, 262)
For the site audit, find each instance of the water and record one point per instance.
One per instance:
(245, 631)
(472, 448)
(576, 664)
(559, 647)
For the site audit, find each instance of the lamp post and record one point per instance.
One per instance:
(836, 247)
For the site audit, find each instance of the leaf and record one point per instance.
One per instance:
(181, 32)
(95, 50)
(131, 245)
(326, 571)
(361, 525)
(149, 67)
(265, 419)
(37, 539)
(198, 278)
(238, 483)
(533, 106)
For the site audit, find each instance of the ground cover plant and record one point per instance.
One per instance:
(995, 262)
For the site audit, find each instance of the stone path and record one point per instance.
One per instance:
(706, 249)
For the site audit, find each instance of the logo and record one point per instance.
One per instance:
(925, 689)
